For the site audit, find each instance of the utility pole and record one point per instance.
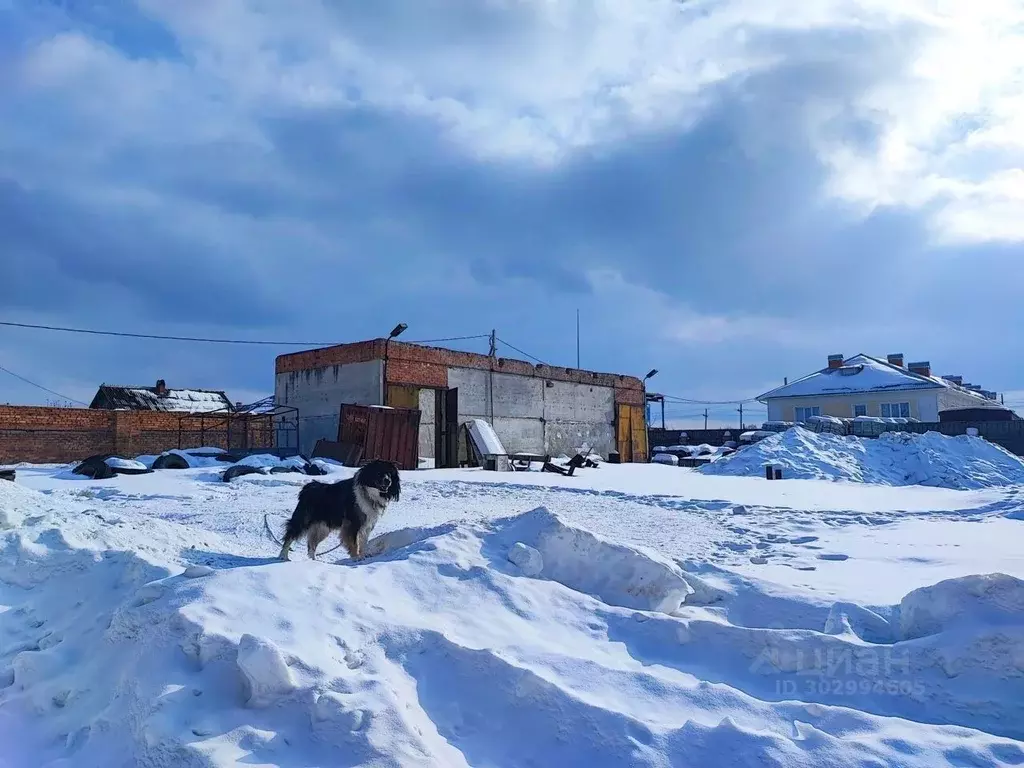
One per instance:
(705, 419)
(577, 339)
(741, 415)
(493, 353)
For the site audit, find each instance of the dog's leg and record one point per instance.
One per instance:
(350, 540)
(286, 547)
(361, 538)
(316, 534)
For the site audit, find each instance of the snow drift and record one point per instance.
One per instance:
(454, 641)
(896, 458)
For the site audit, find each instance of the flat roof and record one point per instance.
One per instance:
(366, 351)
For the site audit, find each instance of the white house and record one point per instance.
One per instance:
(868, 386)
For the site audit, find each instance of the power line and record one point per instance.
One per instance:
(40, 386)
(127, 334)
(689, 401)
(521, 352)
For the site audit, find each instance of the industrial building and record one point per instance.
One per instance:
(537, 409)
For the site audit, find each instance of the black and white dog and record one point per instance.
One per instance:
(351, 507)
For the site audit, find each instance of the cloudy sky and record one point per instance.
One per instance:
(727, 190)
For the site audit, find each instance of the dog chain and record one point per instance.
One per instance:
(273, 538)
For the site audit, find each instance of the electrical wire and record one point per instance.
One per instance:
(521, 352)
(199, 339)
(689, 401)
(40, 386)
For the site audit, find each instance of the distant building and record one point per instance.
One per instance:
(537, 409)
(868, 386)
(160, 398)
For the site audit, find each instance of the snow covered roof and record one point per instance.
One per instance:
(170, 400)
(863, 373)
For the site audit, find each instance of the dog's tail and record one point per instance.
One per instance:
(270, 533)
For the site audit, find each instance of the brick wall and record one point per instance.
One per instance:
(59, 435)
(427, 366)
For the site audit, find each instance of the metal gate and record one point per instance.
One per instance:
(391, 434)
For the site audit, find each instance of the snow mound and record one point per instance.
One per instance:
(896, 458)
(989, 599)
(618, 574)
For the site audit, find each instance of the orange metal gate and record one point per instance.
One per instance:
(631, 433)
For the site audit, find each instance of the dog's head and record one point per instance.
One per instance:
(382, 475)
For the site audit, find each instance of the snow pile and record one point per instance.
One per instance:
(627, 576)
(896, 458)
(989, 599)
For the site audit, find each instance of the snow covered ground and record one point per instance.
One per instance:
(631, 615)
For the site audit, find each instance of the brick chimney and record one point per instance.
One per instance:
(835, 361)
(160, 388)
(958, 380)
(921, 369)
(895, 359)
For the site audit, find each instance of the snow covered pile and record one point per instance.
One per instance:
(516, 641)
(896, 458)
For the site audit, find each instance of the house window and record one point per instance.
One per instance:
(895, 410)
(803, 414)
(860, 410)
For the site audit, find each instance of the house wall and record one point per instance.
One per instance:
(319, 392)
(62, 435)
(924, 404)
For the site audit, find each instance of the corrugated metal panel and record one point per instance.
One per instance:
(631, 433)
(391, 434)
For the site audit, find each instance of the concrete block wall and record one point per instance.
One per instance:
(579, 413)
(535, 415)
(318, 394)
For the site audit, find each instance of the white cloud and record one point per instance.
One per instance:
(538, 80)
(950, 125)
